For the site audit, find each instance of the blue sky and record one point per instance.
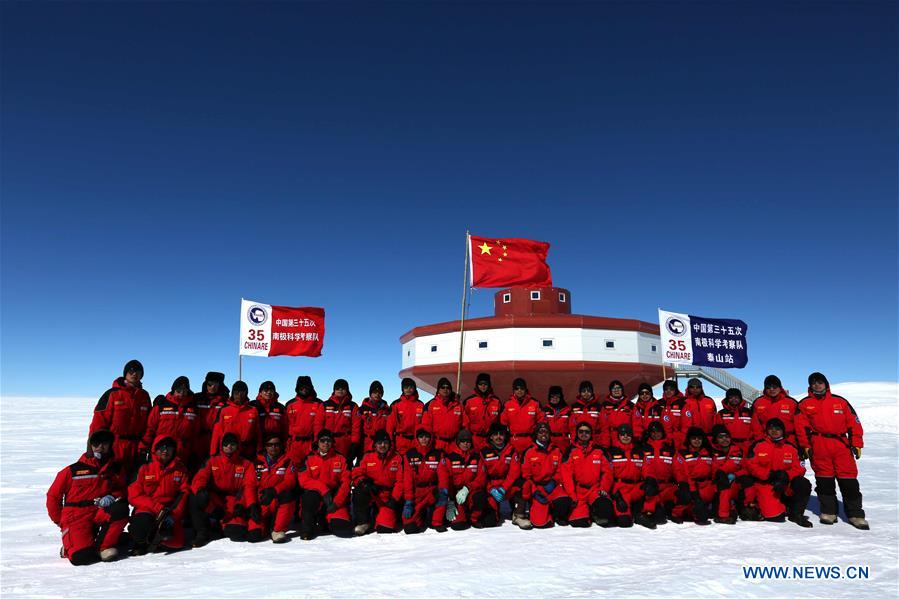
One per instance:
(162, 160)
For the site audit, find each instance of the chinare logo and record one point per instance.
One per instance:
(257, 315)
(676, 326)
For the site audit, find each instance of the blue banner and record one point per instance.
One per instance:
(718, 342)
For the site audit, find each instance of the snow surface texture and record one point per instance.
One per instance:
(41, 436)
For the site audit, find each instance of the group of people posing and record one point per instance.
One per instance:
(253, 470)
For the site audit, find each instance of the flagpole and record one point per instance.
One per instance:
(239, 355)
(462, 319)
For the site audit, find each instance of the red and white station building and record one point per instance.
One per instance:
(534, 335)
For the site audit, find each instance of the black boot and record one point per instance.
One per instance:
(644, 519)
(826, 489)
(852, 503)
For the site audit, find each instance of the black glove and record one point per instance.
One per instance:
(620, 503)
(393, 504)
(201, 498)
(143, 456)
(240, 511)
(683, 493)
(366, 483)
(328, 502)
(721, 480)
(745, 480)
(651, 487)
(779, 480)
(268, 495)
(256, 513)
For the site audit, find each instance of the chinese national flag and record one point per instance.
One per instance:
(509, 263)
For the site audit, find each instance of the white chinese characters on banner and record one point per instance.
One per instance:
(677, 337)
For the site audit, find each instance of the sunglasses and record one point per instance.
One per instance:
(134, 371)
(694, 386)
(645, 392)
(445, 387)
(617, 388)
(273, 444)
(516, 388)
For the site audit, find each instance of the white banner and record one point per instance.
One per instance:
(677, 337)
(255, 328)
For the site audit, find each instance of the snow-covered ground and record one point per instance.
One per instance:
(41, 436)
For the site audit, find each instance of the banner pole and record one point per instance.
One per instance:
(462, 319)
(239, 367)
(664, 375)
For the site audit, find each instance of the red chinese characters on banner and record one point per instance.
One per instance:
(267, 330)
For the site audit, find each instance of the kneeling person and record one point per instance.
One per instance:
(159, 495)
(378, 488)
(277, 483)
(224, 491)
(87, 502)
(325, 480)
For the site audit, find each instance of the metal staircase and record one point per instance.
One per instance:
(719, 378)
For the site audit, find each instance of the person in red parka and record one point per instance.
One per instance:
(628, 497)
(420, 478)
(699, 409)
(87, 502)
(378, 488)
(647, 409)
(405, 417)
(614, 411)
(736, 417)
(675, 423)
(658, 470)
(481, 410)
(831, 436)
(272, 414)
(736, 488)
(774, 403)
(123, 410)
(781, 482)
(503, 471)
(176, 416)
(159, 495)
(305, 418)
(342, 419)
(242, 419)
(520, 414)
(586, 408)
(209, 401)
(325, 479)
(587, 479)
(693, 472)
(557, 415)
(224, 490)
(461, 481)
(373, 412)
(540, 469)
(276, 481)
(443, 415)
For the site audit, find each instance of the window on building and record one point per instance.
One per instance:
(482, 345)
(547, 343)
(507, 297)
(433, 348)
(562, 298)
(408, 352)
(653, 348)
(610, 344)
(535, 295)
